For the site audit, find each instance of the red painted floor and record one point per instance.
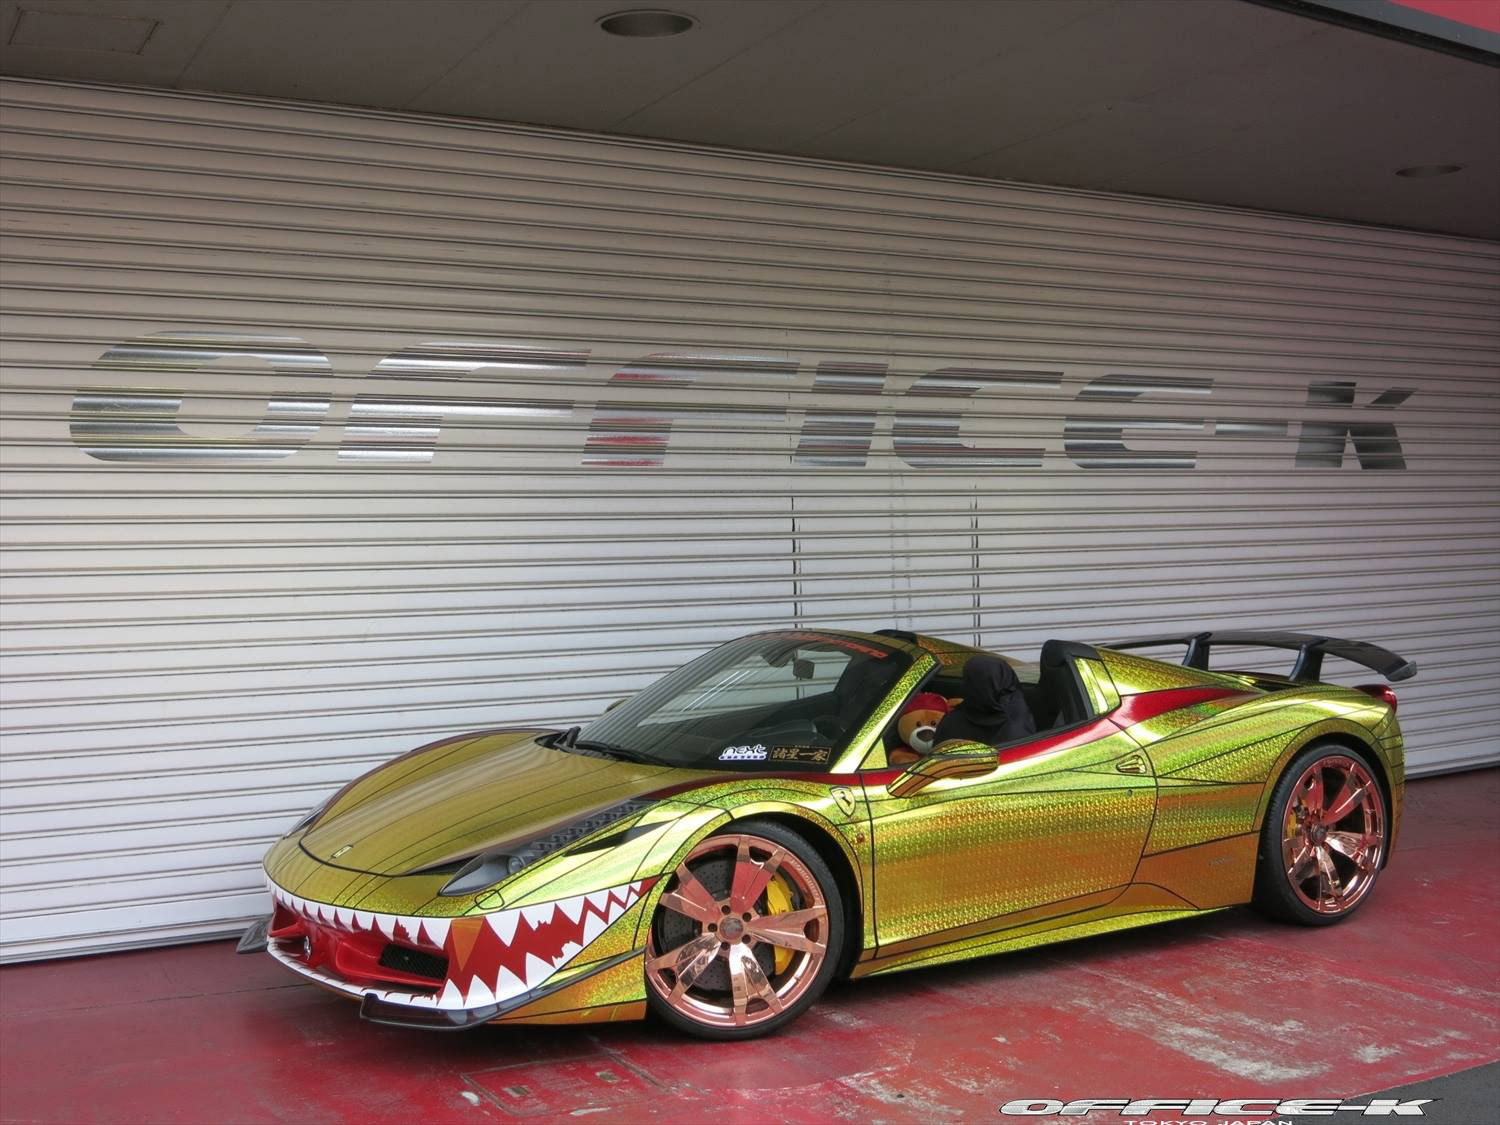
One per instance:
(1227, 1006)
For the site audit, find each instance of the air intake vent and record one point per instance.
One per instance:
(414, 961)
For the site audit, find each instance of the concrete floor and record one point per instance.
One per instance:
(1225, 1006)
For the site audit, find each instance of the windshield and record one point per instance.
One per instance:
(790, 699)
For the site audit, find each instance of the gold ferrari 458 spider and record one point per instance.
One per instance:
(803, 803)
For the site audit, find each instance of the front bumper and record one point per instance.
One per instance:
(448, 973)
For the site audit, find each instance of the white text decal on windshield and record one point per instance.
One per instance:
(756, 753)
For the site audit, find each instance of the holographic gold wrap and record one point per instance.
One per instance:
(1042, 830)
(1147, 811)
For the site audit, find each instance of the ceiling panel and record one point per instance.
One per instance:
(1059, 75)
(1218, 101)
(847, 61)
(552, 65)
(181, 28)
(360, 52)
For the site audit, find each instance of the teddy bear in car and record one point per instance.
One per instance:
(917, 725)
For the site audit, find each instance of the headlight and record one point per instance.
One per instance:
(488, 868)
(482, 871)
(311, 818)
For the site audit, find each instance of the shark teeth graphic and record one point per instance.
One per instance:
(503, 924)
(507, 984)
(522, 947)
(479, 994)
(513, 952)
(537, 970)
(593, 927)
(391, 926)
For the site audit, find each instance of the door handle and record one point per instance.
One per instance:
(1133, 764)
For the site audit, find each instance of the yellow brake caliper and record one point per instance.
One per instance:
(779, 901)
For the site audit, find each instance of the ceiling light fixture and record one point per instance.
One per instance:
(1428, 171)
(646, 23)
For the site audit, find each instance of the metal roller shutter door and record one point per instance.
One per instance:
(329, 432)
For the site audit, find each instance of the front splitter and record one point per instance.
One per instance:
(377, 1008)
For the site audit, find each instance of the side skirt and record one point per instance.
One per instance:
(1134, 908)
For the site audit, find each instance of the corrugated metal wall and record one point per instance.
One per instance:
(327, 433)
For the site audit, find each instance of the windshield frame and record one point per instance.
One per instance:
(846, 753)
(867, 750)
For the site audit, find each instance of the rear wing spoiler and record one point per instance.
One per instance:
(1310, 649)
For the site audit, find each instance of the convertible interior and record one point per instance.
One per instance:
(818, 696)
(1051, 688)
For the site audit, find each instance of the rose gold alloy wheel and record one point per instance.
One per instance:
(716, 962)
(1333, 838)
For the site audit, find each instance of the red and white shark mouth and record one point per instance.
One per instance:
(491, 957)
(428, 932)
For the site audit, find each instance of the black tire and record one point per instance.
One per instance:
(1276, 895)
(834, 937)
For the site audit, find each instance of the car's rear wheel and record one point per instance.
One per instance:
(746, 935)
(1324, 838)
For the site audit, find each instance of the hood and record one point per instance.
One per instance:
(480, 793)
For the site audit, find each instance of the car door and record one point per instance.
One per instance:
(1057, 826)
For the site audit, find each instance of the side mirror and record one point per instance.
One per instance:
(613, 705)
(952, 759)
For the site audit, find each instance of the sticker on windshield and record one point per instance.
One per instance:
(756, 753)
(812, 755)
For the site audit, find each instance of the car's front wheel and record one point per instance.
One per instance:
(1324, 838)
(746, 935)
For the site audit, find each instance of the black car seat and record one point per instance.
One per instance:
(1058, 701)
(855, 690)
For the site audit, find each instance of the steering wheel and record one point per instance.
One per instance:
(829, 727)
